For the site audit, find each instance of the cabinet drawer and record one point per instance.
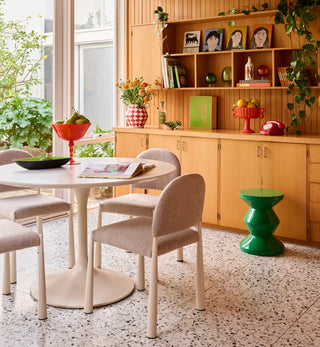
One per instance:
(314, 154)
(314, 232)
(315, 192)
(314, 172)
(314, 211)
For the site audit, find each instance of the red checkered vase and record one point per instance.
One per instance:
(136, 116)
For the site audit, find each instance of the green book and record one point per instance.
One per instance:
(181, 76)
(203, 112)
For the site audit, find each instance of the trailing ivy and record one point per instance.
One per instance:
(296, 18)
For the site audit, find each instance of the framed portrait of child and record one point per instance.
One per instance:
(261, 36)
(237, 37)
(213, 40)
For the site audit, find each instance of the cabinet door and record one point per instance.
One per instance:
(145, 53)
(199, 155)
(128, 145)
(284, 168)
(172, 143)
(240, 168)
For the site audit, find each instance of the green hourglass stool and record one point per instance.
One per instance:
(261, 221)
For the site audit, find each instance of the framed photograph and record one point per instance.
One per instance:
(237, 37)
(191, 41)
(213, 40)
(261, 36)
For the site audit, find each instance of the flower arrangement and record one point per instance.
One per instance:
(136, 92)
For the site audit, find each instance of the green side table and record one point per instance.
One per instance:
(261, 221)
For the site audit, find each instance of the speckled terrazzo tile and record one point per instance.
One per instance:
(250, 300)
(305, 331)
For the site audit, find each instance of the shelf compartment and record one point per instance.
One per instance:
(215, 63)
(258, 57)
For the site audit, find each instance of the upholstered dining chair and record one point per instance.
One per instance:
(137, 204)
(13, 237)
(36, 205)
(177, 212)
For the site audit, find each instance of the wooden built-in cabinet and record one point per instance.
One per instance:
(314, 192)
(206, 153)
(253, 164)
(145, 50)
(230, 162)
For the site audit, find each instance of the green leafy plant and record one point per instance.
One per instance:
(161, 19)
(102, 149)
(173, 125)
(245, 11)
(21, 54)
(26, 122)
(296, 19)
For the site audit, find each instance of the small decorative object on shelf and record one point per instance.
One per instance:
(162, 115)
(136, 95)
(211, 79)
(263, 71)
(249, 70)
(247, 110)
(173, 125)
(227, 76)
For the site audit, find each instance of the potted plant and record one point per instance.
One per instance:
(136, 95)
(296, 17)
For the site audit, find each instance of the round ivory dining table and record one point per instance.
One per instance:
(65, 288)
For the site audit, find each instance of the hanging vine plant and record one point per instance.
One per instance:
(296, 17)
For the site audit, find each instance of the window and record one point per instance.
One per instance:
(94, 49)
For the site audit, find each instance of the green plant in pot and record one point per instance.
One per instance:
(296, 18)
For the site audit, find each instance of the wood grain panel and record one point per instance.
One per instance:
(314, 172)
(315, 192)
(314, 232)
(314, 154)
(314, 211)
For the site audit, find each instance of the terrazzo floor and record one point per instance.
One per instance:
(250, 300)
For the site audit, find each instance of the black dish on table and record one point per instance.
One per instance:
(42, 163)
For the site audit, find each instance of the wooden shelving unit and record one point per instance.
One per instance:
(199, 64)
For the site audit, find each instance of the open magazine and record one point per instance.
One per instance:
(115, 170)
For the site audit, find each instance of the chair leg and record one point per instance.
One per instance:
(88, 297)
(153, 292)
(141, 275)
(42, 301)
(200, 274)
(71, 239)
(97, 259)
(13, 267)
(180, 254)
(6, 274)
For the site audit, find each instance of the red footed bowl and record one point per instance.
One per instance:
(71, 132)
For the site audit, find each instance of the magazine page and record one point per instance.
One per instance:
(114, 169)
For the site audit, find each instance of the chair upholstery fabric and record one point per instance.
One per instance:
(14, 236)
(133, 204)
(161, 155)
(179, 208)
(134, 235)
(143, 205)
(18, 207)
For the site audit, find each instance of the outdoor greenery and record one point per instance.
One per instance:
(21, 54)
(103, 149)
(26, 122)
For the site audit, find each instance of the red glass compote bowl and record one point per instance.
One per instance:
(71, 132)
